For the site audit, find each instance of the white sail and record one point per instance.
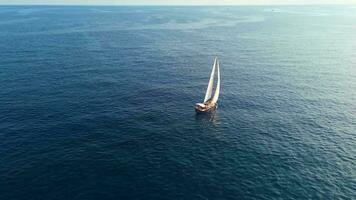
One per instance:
(217, 90)
(210, 84)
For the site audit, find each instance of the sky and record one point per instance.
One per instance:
(176, 2)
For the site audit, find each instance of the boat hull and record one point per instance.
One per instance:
(206, 110)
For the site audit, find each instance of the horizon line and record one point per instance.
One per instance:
(326, 4)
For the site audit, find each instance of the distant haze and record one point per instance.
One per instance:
(177, 2)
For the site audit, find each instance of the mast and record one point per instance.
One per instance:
(211, 82)
(217, 90)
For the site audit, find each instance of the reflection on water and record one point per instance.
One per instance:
(210, 118)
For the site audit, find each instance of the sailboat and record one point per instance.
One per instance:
(210, 101)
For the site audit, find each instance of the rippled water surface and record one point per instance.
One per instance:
(97, 103)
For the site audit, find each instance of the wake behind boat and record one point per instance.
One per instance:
(210, 102)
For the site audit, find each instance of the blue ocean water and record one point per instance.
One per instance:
(98, 103)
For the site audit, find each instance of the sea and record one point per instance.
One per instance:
(97, 102)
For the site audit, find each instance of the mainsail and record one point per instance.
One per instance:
(210, 84)
(217, 90)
